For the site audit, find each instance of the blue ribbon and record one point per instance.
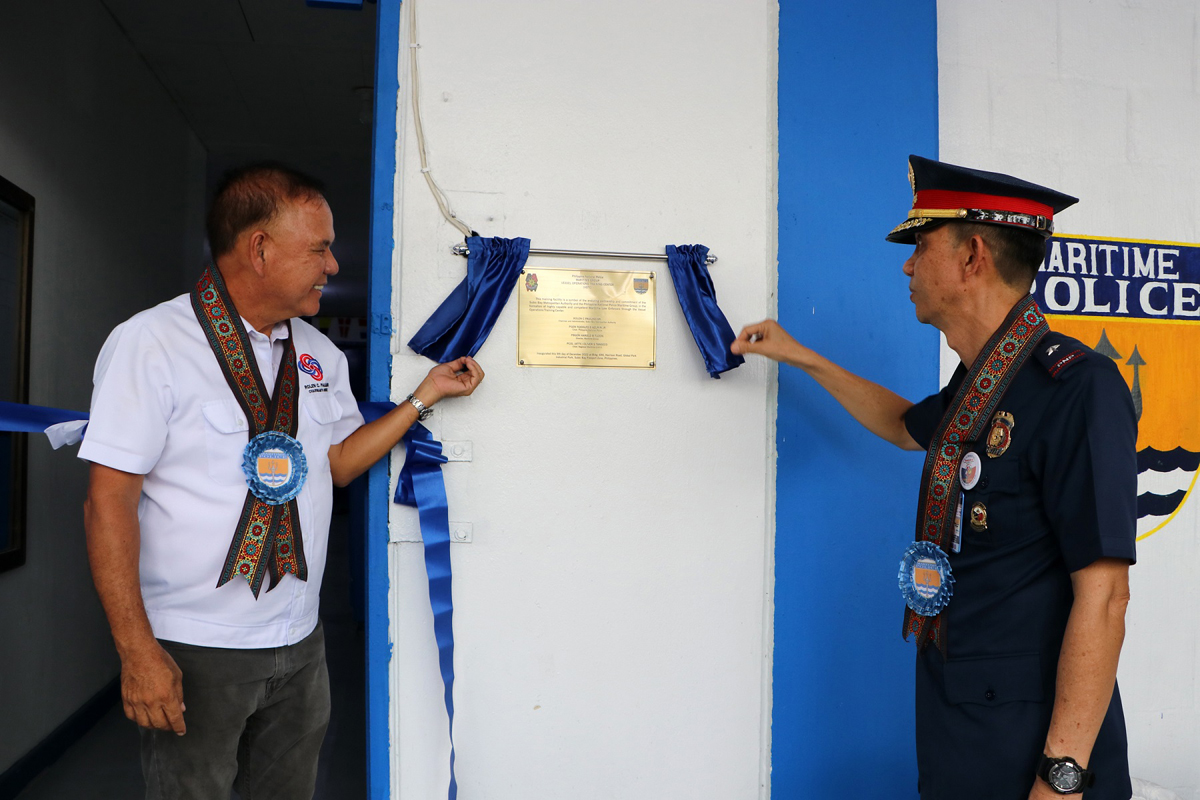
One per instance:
(463, 321)
(421, 485)
(373, 411)
(698, 299)
(21, 418)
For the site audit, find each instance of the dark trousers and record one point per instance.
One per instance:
(255, 721)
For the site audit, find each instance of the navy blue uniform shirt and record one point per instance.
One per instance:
(1063, 495)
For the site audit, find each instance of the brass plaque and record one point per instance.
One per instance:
(585, 318)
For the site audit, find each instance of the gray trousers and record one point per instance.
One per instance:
(255, 721)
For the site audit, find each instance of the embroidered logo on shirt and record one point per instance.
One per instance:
(310, 365)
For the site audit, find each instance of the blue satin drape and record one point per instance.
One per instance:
(463, 321)
(698, 298)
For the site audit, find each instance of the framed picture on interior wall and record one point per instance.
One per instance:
(16, 261)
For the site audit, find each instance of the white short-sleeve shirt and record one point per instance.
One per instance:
(161, 408)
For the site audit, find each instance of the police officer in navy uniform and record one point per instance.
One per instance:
(1016, 692)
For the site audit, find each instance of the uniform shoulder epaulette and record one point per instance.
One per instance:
(1059, 353)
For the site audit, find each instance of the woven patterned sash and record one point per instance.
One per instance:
(267, 539)
(978, 398)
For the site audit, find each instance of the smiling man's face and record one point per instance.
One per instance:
(301, 262)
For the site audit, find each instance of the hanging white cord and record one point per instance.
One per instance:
(415, 89)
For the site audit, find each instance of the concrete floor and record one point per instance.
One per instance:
(104, 764)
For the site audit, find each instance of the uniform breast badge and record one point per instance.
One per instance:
(275, 467)
(1000, 436)
(925, 578)
(979, 517)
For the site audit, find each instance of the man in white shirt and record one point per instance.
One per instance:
(219, 424)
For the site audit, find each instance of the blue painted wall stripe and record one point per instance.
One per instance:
(857, 94)
(379, 378)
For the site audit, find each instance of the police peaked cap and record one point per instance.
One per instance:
(945, 192)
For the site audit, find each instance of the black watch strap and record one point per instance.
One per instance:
(1064, 775)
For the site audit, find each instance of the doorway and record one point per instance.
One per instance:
(252, 80)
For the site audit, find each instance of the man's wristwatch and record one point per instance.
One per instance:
(1064, 775)
(423, 411)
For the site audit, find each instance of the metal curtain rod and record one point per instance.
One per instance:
(463, 250)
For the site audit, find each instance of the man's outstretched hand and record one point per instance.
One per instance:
(457, 378)
(879, 410)
(768, 338)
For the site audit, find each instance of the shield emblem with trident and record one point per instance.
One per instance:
(1138, 302)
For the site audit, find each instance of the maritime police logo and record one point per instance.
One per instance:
(641, 285)
(1138, 303)
(311, 366)
(273, 467)
(531, 281)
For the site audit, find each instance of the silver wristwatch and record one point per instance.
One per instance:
(423, 411)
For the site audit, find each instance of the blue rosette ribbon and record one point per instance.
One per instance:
(275, 467)
(926, 580)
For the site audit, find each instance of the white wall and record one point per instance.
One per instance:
(1101, 100)
(118, 180)
(612, 615)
